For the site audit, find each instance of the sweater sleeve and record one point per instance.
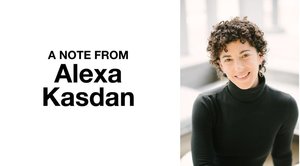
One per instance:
(202, 141)
(281, 152)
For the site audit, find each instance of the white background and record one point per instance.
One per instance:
(146, 134)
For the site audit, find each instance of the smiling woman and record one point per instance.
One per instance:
(240, 123)
(240, 64)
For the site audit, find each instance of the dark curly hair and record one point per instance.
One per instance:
(233, 30)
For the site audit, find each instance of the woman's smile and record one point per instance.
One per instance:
(242, 76)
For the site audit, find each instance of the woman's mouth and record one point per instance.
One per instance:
(242, 76)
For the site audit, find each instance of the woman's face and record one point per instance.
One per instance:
(241, 64)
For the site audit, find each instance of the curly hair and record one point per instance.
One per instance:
(233, 30)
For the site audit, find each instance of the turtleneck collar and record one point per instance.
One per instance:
(247, 95)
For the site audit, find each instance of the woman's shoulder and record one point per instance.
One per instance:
(204, 106)
(281, 98)
(278, 94)
(206, 100)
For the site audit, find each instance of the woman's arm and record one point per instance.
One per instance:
(202, 141)
(281, 153)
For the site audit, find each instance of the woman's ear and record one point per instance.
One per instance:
(261, 58)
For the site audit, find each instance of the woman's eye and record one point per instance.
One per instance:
(245, 55)
(227, 60)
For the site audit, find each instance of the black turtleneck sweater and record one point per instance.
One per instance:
(235, 127)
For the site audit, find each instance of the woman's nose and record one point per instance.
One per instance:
(239, 66)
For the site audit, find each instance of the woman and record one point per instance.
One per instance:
(240, 123)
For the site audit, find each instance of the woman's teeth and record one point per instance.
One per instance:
(242, 76)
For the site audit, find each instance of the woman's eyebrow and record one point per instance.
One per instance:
(244, 51)
(226, 56)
